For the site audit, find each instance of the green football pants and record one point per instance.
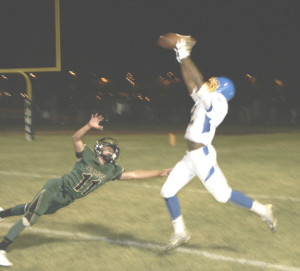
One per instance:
(50, 199)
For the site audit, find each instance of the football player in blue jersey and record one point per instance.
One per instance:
(93, 169)
(210, 108)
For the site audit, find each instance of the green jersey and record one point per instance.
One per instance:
(88, 174)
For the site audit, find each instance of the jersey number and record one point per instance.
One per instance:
(86, 184)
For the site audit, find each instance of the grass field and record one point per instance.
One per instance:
(125, 225)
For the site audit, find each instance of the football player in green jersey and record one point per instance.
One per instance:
(93, 169)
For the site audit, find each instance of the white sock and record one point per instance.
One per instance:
(258, 208)
(178, 225)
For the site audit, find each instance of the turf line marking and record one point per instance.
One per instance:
(294, 199)
(153, 246)
(34, 175)
(48, 176)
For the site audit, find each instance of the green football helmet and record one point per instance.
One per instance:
(111, 142)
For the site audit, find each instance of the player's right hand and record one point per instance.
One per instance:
(95, 121)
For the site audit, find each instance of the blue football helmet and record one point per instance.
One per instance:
(225, 87)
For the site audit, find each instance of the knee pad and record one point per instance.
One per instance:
(25, 222)
(167, 193)
(29, 219)
(36, 208)
(163, 192)
(223, 196)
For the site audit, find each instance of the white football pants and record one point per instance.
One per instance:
(202, 163)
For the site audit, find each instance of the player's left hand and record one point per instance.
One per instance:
(95, 121)
(165, 172)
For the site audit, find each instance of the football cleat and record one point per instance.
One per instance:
(269, 218)
(178, 239)
(3, 259)
(184, 46)
(1, 209)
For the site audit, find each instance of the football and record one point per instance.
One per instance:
(168, 40)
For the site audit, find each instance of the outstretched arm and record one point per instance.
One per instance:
(77, 136)
(192, 77)
(194, 80)
(144, 174)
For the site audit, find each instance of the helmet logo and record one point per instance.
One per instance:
(212, 84)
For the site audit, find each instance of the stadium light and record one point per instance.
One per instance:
(72, 73)
(104, 80)
(278, 82)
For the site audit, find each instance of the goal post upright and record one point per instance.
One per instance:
(28, 113)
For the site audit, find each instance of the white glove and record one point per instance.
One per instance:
(184, 47)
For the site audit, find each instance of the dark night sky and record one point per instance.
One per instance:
(114, 37)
